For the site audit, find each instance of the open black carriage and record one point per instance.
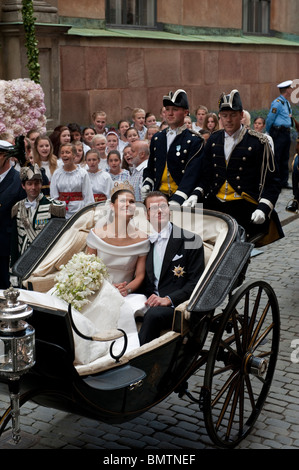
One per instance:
(229, 328)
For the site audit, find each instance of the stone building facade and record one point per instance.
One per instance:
(89, 64)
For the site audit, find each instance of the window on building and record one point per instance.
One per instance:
(134, 13)
(256, 16)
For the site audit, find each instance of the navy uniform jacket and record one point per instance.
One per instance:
(244, 170)
(183, 161)
(11, 191)
(182, 266)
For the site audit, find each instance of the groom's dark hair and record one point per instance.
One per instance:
(156, 194)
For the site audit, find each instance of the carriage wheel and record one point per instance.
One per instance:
(241, 363)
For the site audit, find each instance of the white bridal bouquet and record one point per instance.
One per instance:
(81, 277)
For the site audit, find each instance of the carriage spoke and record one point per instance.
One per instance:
(226, 403)
(246, 319)
(259, 325)
(263, 337)
(233, 409)
(250, 392)
(221, 392)
(254, 312)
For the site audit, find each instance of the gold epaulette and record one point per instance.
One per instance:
(262, 137)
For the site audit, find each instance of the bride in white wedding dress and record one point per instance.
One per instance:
(123, 249)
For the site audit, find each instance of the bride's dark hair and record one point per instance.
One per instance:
(117, 193)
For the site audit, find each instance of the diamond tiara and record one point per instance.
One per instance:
(122, 186)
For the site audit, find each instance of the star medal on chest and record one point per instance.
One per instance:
(179, 271)
(178, 148)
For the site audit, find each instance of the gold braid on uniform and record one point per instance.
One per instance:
(268, 157)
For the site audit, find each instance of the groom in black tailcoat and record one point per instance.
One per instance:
(173, 267)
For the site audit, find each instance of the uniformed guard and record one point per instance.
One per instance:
(239, 175)
(30, 215)
(175, 153)
(278, 125)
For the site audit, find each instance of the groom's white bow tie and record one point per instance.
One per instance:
(155, 236)
(29, 204)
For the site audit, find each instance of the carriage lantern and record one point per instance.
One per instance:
(17, 349)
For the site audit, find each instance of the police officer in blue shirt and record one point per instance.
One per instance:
(278, 124)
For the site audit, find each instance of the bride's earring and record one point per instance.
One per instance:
(111, 214)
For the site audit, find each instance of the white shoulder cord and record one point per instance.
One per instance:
(268, 158)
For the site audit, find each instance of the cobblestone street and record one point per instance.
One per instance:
(177, 424)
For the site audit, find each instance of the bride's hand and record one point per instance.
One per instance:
(122, 287)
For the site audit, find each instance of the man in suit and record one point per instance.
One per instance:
(173, 267)
(175, 153)
(11, 191)
(239, 175)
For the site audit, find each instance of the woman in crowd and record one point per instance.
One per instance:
(60, 135)
(99, 119)
(112, 141)
(80, 157)
(70, 183)
(122, 127)
(100, 180)
(127, 160)
(211, 123)
(188, 122)
(99, 142)
(200, 114)
(132, 135)
(150, 120)
(151, 130)
(43, 155)
(88, 134)
(32, 135)
(115, 170)
(259, 124)
(75, 131)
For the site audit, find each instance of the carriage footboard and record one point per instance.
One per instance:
(116, 378)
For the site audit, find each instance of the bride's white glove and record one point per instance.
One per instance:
(144, 191)
(191, 201)
(258, 217)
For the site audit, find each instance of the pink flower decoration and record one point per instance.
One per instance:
(22, 106)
